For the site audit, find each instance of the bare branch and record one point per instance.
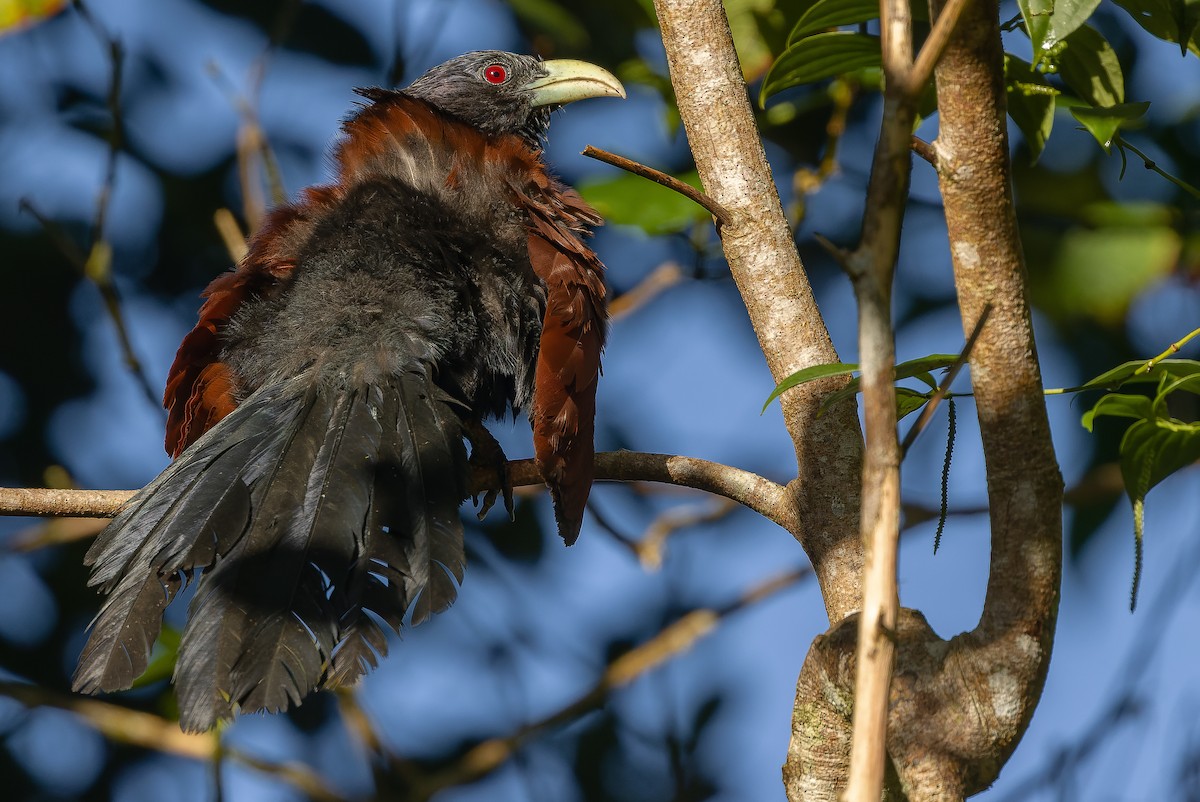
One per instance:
(669, 181)
(97, 264)
(872, 267)
(231, 234)
(924, 150)
(675, 639)
(665, 275)
(765, 497)
(935, 45)
(148, 731)
(651, 547)
(759, 246)
(68, 503)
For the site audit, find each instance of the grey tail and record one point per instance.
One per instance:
(312, 513)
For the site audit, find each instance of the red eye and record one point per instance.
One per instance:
(495, 74)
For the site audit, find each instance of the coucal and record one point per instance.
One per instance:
(318, 410)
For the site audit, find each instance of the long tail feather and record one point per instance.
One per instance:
(318, 514)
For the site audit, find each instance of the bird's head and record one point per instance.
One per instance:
(508, 93)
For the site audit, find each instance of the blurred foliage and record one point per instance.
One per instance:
(18, 14)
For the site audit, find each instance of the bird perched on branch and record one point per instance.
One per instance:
(318, 409)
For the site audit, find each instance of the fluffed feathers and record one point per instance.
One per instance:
(308, 508)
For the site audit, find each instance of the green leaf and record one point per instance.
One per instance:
(1119, 405)
(908, 401)
(162, 658)
(1097, 273)
(552, 18)
(1174, 384)
(1170, 20)
(1089, 65)
(810, 374)
(923, 364)
(1103, 123)
(1155, 445)
(823, 55)
(1152, 450)
(634, 201)
(1030, 102)
(1048, 22)
(918, 368)
(1127, 373)
(825, 14)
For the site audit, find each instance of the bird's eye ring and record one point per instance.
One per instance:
(495, 74)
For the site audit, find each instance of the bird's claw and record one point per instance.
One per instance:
(488, 456)
(489, 498)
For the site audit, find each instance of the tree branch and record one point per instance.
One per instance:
(765, 497)
(657, 176)
(148, 731)
(1025, 490)
(674, 639)
(759, 247)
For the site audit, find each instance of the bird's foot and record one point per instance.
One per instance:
(488, 457)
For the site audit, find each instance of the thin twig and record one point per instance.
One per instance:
(231, 235)
(1171, 350)
(665, 275)
(925, 150)
(1150, 164)
(839, 254)
(55, 532)
(723, 215)
(95, 262)
(653, 545)
(675, 639)
(944, 387)
(606, 525)
(116, 55)
(58, 502)
(935, 45)
(148, 731)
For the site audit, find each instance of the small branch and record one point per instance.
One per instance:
(1172, 349)
(765, 497)
(231, 235)
(55, 532)
(66, 503)
(118, 723)
(935, 45)
(665, 275)
(116, 136)
(148, 731)
(872, 270)
(944, 387)
(252, 143)
(839, 254)
(1150, 164)
(651, 548)
(675, 639)
(723, 215)
(924, 150)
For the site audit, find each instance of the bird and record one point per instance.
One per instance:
(319, 411)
